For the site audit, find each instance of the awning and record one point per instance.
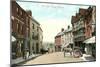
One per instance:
(13, 39)
(90, 40)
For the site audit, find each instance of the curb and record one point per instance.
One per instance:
(22, 62)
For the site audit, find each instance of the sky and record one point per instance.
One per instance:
(52, 17)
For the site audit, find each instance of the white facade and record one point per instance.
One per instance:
(34, 36)
(62, 39)
(40, 38)
(67, 38)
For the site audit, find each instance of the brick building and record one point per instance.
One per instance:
(20, 29)
(90, 41)
(59, 41)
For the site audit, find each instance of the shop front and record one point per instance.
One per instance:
(17, 46)
(90, 46)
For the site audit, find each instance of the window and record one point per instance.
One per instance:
(27, 32)
(27, 20)
(21, 29)
(37, 28)
(20, 12)
(33, 35)
(12, 17)
(23, 15)
(17, 27)
(17, 10)
(33, 26)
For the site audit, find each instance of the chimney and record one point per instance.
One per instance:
(29, 12)
(68, 26)
(62, 29)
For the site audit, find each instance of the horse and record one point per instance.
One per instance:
(68, 50)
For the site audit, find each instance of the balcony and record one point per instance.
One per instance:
(79, 38)
(79, 35)
(79, 27)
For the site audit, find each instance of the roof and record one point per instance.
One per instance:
(73, 19)
(82, 11)
(34, 20)
(68, 30)
(59, 34)
(65, 31)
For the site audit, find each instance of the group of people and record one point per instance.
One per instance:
(21, 51)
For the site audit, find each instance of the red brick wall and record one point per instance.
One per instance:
(58, 41)
(88, 26)
(19, 19)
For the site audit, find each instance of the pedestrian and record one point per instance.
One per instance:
(64, 52)
(27, 54)
(71, 52)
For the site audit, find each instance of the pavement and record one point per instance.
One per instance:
(20, 60)
(86, 57)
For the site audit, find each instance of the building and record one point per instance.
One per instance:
(82, 27)
(40, 39)
(64, 39)
(90, 42)
(58, 41)
(78, 30)
(68, 37)
(78, 23)
(20, 29)
(36, 36)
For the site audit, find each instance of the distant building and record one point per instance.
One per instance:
(68, 37)
(59, 41)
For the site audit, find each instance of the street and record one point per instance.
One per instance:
(56, 57)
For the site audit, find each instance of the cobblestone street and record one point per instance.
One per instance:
(56, 57)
